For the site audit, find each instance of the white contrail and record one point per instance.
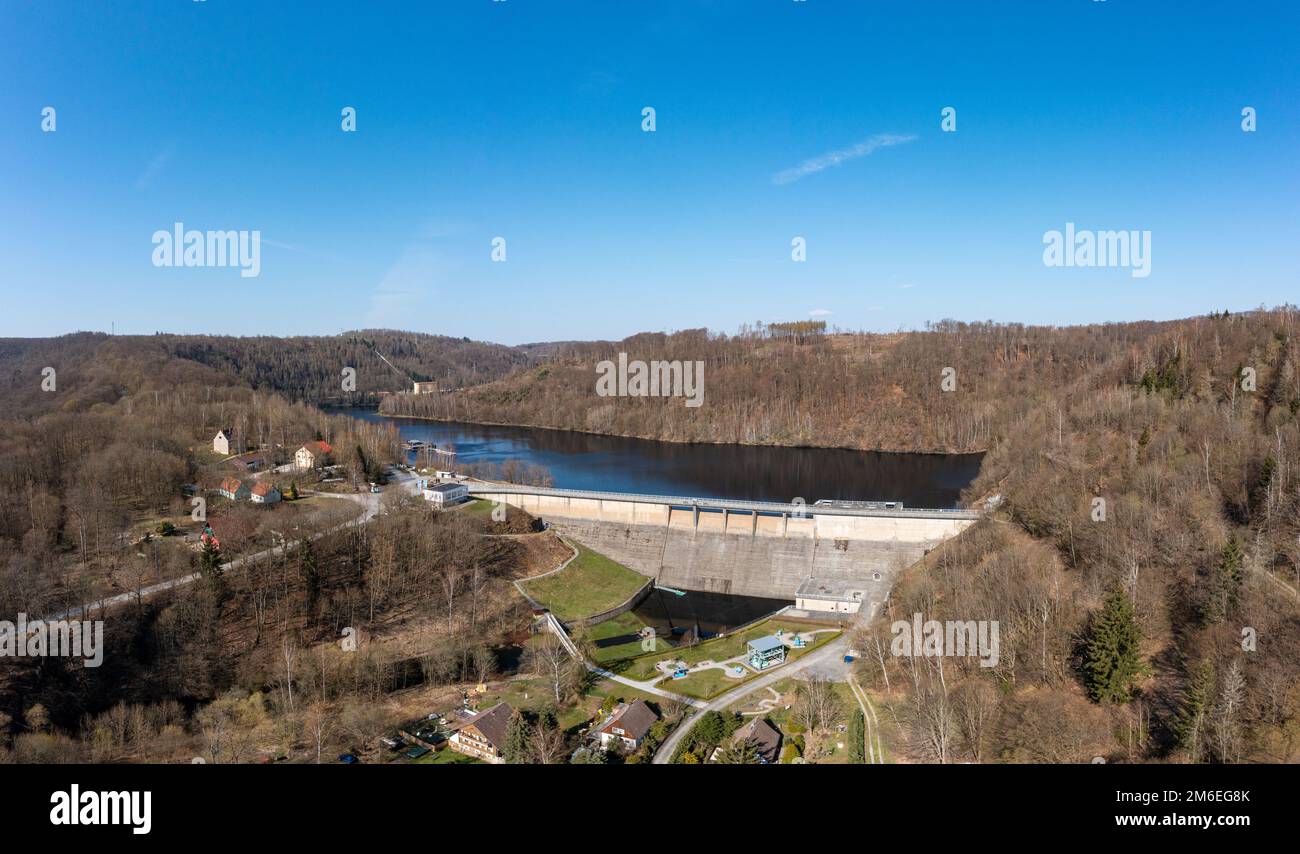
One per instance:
(834, 158)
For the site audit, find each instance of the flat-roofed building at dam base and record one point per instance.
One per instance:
(833, 595)
(747, 548)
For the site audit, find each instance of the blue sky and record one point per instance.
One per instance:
(522, 119)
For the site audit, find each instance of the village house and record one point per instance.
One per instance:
(233, 488)
(763, 737)
(312, 455)
(221, 442)
(264, 493)
(484, 735)
(627, 727)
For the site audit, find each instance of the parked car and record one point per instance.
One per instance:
(348, 759)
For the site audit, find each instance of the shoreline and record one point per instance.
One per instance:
(979, 453)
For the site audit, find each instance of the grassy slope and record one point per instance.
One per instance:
(591, 584)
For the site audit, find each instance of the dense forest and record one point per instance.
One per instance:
(953, 387)
(1143, 566)
(310, 367)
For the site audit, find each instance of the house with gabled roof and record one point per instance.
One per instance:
(263, 493)
(484, 735)
(233, 488)
(764, 738)
(312, 455)
(627, 727)
(221, 442)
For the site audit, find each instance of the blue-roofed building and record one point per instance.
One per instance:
(767, 651)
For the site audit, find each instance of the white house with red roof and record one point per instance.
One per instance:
(263, 493)
(312, 455)
(233, 488)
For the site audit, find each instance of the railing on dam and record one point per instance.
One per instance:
(774, 507)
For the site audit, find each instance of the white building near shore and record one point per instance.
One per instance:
(443, 495)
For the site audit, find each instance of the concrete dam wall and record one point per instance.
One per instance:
(747, 548)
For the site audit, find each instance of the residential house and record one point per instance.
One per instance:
(312, 455)
(763, 737)
(264, 493)
(627, 727)
(484, 735)
(221, 442)
(443, 495)
(233, 488)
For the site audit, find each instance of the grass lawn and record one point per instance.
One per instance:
(447, 756)
(706, 684)
(603, 688)
(533, 695)
(721, 649)
(591, 584)
(625, 625)
(477, 507)
(749, 702)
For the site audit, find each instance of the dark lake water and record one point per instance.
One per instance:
(761, 473)
(701, 614)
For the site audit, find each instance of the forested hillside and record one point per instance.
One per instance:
(240, 664)
(774, 386)
(1143, 566)
(114, 435)
(310, 367)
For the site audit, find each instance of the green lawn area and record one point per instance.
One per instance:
(591, 584)
(840, 755)
(533, 695)
(447, 756)
(603, 688)
(624, 625)
(477, 507)
(721, 649)
(706, 684)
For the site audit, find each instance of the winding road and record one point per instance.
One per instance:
(828, 661)
(370, 509)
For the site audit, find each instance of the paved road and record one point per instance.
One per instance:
(827, 661)
(370, 509)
